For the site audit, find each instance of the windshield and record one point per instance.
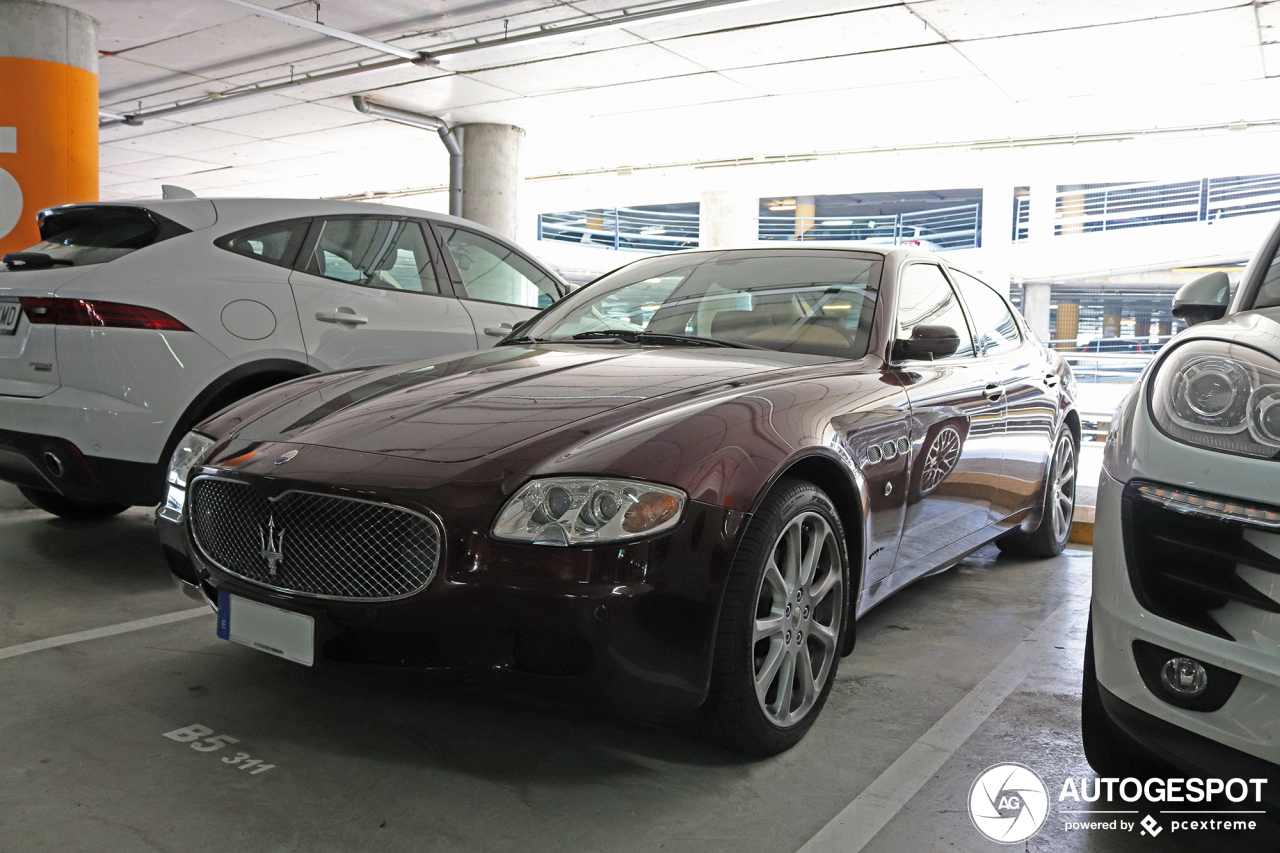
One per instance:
(805, 301)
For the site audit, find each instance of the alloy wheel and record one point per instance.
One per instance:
(798, 609)
(941, 458)
(1063, 500)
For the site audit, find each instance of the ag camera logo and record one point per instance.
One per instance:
(1008, 803)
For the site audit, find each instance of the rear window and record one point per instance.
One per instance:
(98, 234)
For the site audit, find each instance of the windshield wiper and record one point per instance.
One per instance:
(33, 260)
(659, 338)
(523, 339)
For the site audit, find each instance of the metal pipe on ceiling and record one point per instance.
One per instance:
(624, 18)
(417, 57)
(426, 122)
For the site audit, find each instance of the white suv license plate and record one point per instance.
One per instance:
(267, 629)
(9, 314)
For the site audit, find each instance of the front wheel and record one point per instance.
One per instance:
(777, 649)
(1050, 538)
(70, 508)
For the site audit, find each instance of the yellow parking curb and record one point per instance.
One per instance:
(1082, 526)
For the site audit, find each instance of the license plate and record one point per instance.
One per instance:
(266, 628)
(9, 314)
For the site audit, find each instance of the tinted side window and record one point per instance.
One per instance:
(277, 243)
(925, 298)
(992, 318)
(493, 273)
(383, 253)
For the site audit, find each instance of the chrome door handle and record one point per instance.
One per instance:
(993, 392)
(502, 330)
(1051, 380)
(338, 316)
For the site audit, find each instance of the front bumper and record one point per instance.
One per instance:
(631, 625)
(1245, 641)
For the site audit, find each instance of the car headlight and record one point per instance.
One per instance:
(189, 451)
(587, 511)
(186, 455)
(1220, 396)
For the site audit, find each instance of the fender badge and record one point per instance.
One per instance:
(286, 457)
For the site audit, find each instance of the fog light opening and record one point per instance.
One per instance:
(1184, 678)
(54, 464)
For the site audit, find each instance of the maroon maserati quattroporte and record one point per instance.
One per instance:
(675, 490)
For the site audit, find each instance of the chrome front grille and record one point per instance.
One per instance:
(310, 543)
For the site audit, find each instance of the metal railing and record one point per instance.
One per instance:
(943, 228)
(1105, 370)
(1138, 205)
(621, 228)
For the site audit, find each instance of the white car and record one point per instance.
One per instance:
(130, 322)
(1182, 662)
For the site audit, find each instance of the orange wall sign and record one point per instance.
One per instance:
(48, 143)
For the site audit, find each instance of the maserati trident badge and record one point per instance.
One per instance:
(286, 457)
(272, 545)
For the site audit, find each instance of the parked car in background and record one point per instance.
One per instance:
(130, 322)
(1182, 660)
(676, 489)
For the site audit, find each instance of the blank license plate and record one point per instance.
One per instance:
(9, 314)
(266, 628)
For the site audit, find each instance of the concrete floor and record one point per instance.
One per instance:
(375, 762)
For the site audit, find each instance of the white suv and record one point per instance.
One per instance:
(1183, 653)
(130, 322)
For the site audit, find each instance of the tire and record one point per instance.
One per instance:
(1057, 508)
(1109, 751)
(70, 508)
(795, 656)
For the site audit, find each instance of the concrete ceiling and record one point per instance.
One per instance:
(750, 79)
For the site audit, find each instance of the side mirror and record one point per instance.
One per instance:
(1204, 299)
(927, 343)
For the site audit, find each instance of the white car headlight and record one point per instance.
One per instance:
(189, 451)
(587, 511)
(1220, 396)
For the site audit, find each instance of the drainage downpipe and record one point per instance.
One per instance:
(427, 123)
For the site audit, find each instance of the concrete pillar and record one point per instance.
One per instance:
(728, 218)
(491, 176)
(1111, 315)
(1067, 328)
(806, 209)
(997, 237)
(1142, 324)
(1035, 307)
(48, 114)
(1044, 213)
(1165, 328)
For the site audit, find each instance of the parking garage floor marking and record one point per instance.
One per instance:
(108, 631)
(858, 822)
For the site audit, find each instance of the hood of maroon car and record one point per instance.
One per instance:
(468, 407)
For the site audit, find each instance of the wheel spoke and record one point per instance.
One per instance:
(820, 590)
(777, 583)
(814, 551)
(769, 627)
(795, 547)
(824, 635)
(786, 675)
(808, 680)
(770, 670)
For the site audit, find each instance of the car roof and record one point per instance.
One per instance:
(233, 213)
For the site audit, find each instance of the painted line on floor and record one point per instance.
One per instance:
(108, 631)
(858, 822)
